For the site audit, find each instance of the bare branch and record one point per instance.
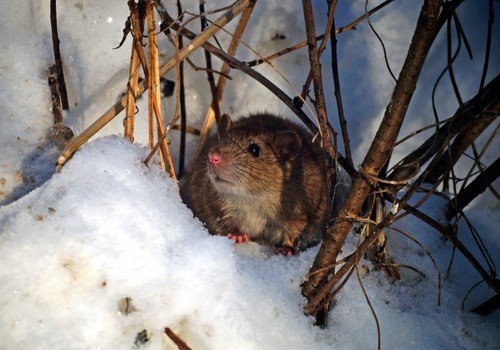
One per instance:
(482, 102)
(475, 188)
(317, 287)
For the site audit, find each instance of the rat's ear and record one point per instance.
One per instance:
(288, 144)
(224, 124)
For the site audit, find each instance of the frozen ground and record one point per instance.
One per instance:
(105, 249)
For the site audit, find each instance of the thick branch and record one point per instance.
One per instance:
(483, 101)
(488, 306)
(463, 141)
(474, 189)
(378, 153)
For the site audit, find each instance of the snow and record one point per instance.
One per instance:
(78, 246)
(108, 227)
(74, 262)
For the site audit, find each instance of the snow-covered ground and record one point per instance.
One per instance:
(108, 228)
(105, 249)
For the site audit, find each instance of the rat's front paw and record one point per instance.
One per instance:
(287, 251)
(241, 238)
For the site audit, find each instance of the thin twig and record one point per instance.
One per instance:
(213, 112)
(181, 344)
(477, 160)
(450, 235)
(476, 187)
(462, 119)
(189, 129)
(426, 251)
(469, 292)
(319, 96)
(180, 106)
(282, 75)
(201, 69)
(386, 59)
(208, 59)
(57, 55)
(409, 267)
(491, 19)
(346, 28)
(425, 128)
(332, 266)
(377, 323)
(450, 62)
(338, 94)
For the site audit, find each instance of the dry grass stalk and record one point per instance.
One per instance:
(378, 252)
(137, 20)
(151, 78)
(155, 94)
(131, 96)
(61, 134)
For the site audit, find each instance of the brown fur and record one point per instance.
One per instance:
(278, 197)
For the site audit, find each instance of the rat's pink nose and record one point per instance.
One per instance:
(214, 158)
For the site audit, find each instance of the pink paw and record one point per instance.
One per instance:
(287, 251)
(242, 238)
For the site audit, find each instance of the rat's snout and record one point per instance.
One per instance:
(214, 157)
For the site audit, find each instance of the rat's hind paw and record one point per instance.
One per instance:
(287, 251)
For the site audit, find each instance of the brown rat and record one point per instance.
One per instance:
(261, 178)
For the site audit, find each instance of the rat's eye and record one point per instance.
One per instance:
(254, 149)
